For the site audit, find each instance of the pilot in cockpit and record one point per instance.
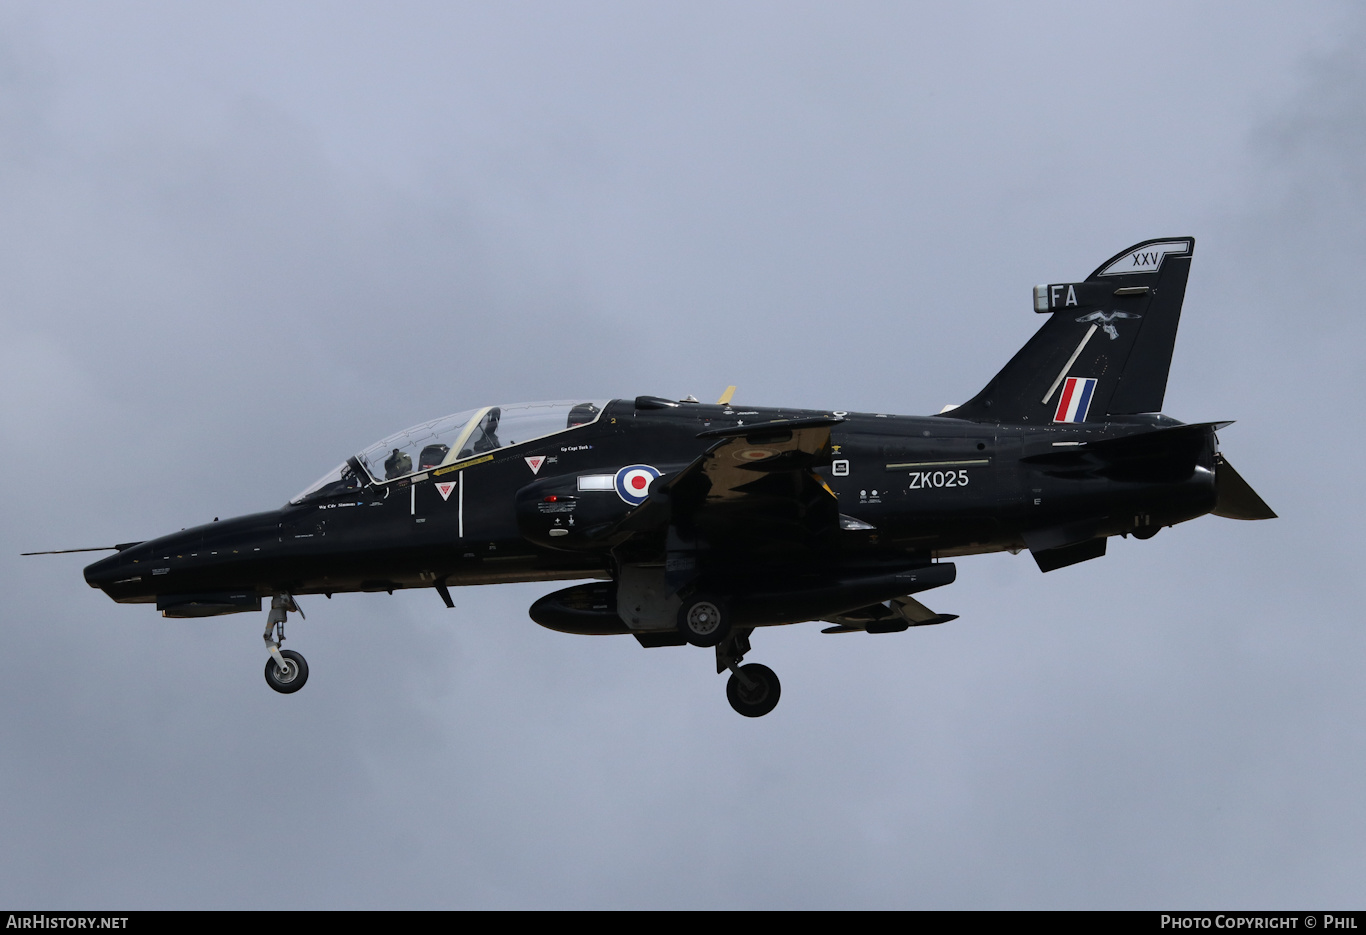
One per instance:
(398, 464)
(485, 435)
(432, 456)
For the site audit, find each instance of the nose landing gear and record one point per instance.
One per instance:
(286, 670)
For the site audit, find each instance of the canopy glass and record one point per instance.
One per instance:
(452, 439)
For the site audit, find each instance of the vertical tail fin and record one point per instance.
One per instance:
(1106, 349)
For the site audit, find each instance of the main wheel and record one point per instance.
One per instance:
(756, 701)
(703, 620)
(292, 678)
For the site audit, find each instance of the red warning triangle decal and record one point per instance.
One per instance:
(445, 489)
(535, 463)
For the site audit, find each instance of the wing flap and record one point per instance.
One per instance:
(894, 616)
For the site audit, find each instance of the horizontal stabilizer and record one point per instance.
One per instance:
(1056, 538)
(1053, 559)
(1237, 499)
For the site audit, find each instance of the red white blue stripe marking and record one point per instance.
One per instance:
(1075, 399)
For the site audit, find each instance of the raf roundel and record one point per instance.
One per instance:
(633, 483)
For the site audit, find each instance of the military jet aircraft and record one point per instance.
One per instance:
(699, 523)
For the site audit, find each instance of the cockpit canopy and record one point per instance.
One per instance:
(452, 439)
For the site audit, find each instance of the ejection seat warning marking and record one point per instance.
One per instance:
(1068, 366)
(534, 462)
(839, 468)
(444, 488)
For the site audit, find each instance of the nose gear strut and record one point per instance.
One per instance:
(286, 670)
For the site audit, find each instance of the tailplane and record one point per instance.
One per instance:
(1106, 348)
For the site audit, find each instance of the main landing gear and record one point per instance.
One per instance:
(704, 620)
(752, 690)
(286, 670)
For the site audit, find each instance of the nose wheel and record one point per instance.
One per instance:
(291, 677)
(286, 670)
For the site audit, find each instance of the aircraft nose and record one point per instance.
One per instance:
(128, 575)
(108, 571)
(187, 561)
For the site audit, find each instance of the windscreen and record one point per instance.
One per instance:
(340, 478)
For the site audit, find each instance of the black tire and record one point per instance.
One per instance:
(704, 620)
(761, 699)
(294, 679)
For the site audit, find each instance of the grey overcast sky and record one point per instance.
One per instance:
(239, 242)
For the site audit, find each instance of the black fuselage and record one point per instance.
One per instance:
(909, 490)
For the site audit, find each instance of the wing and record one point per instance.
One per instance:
(754, 492)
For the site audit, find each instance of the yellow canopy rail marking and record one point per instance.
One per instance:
(462, 464)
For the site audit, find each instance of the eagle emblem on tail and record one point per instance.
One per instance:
(1107, 321)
